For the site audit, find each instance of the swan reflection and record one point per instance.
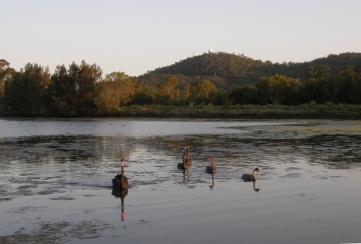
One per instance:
(254, 186)
(120, 193)
(212, 185)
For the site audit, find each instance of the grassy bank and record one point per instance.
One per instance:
(309, 111)
(304, 111)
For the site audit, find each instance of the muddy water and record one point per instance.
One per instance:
(55, 181)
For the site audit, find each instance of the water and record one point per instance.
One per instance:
(55, 181)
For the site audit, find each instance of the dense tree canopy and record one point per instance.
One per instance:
(73, 91)
(216, 79)
(276, 88)
(229, 71)
(113, 92)
(25, 92)
(5, 73)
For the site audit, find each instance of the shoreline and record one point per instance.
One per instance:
(305, 111)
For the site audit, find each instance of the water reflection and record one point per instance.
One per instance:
(185, 175)
(85, 158)
(254, 186)
(76, 163)
(212, 185)
(121, 193)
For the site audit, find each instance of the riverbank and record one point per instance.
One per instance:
(304, 111)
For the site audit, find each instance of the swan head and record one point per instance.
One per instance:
(257, 170)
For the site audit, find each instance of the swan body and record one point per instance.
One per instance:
(251, 177)
(188, 161)
(184, 164)
(211, 169)
(120, 181)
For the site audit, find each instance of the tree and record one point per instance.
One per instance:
(115, 90)
(348, 86)
(5, 74)
(73, 90)
(142, 98)
(168, 84)
(203, 88)
(220, 97)
(186, 91)
(26, 91)
(277, 87)
(244, 95)
(317, 73)
(200, 91)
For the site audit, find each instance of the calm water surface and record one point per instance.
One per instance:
(55, 181)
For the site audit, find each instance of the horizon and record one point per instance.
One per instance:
(137, 37)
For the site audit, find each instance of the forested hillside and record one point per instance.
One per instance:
(229, 71)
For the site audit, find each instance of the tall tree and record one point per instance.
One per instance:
(73, 90)
(5, 73)
(317, 73)
(244, 95)
(348, 86)
(167, 87)
(203, 88)
(276, 87)
(26, 91)
(115, 90)
(168, 84)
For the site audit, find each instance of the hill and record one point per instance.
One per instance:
(228, 71)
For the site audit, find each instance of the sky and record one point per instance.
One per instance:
(136, 36)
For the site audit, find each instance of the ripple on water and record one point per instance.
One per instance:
(63, 164)
(63, 198)
(292, 175)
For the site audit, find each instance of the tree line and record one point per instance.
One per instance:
(234, 70)
(82, 90)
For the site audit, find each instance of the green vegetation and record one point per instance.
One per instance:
(209, 85)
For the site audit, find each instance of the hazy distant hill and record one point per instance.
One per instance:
(228, 71)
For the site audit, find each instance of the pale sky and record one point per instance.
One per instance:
(135, 36)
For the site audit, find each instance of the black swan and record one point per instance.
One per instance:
(211, 169)
(184, 164)
(120, 181)
(251, 177)
(189, 160)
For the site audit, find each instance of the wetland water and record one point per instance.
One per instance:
(55, 181)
